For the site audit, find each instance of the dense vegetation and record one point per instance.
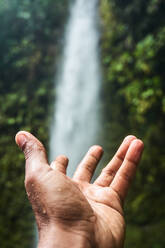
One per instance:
(133, 101)
(133, 46)
(30, 36)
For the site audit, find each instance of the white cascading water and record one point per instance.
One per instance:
(76, 110)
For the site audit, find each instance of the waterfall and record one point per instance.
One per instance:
(76, 119)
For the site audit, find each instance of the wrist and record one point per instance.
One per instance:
(62, 237)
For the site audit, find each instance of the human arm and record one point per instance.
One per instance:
(66, 210)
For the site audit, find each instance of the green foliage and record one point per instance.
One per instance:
(133, 50)
(29, 41)
(133, 101)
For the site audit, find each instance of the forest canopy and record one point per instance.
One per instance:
(132, 45)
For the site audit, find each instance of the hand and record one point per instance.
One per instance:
(73, 212)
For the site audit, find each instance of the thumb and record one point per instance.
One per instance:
(34, 151)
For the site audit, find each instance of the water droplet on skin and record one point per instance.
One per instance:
(32, 185)
(59, 189)
(44, 211)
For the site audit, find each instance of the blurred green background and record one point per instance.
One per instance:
(133, 102)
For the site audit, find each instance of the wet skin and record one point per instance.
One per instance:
(74, 212)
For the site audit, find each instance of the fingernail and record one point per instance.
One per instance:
(21, 140)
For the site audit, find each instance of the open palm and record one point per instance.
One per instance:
(93, 211)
